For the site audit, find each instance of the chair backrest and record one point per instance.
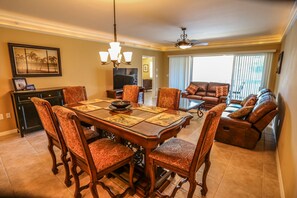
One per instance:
(207, 135)
(74, 94)
(48, 119)
(73, 135)
(168, 98)
(130, 93)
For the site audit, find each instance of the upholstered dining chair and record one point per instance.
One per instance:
(168, 98)
(96, 159)
(185, 158)
(54, 135)
(131, 93)
(74, 94)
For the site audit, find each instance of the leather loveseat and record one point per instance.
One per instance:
(246, 132)
(207, 92)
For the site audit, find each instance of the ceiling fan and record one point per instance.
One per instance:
(185, 43)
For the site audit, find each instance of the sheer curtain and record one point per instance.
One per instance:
(250, 74)
(179, 71)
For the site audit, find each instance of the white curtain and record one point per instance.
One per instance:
(179, 72)
(250, 74)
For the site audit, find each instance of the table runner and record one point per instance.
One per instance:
(151, 109)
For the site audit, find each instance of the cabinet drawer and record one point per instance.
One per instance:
(49, 94)
(27, 97)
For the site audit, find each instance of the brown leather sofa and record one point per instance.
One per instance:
(207, 93)
(246, 132)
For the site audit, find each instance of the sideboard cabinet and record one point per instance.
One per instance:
(26, 116)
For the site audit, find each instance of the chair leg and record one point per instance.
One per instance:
(205, 172)
(52, 153)
(192, 188)
(131, 173)
(153, 179)
(76, 178)
(67, 180)
(93, 189)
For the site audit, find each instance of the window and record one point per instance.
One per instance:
(212, 69)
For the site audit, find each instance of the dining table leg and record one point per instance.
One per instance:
(147, 165)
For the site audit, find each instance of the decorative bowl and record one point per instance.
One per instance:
(120, 104)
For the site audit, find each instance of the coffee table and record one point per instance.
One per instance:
(186, 104)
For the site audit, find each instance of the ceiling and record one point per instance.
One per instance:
(154, 24)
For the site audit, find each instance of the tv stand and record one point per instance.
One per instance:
(118, 94)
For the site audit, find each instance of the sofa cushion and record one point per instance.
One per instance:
(202, 88)
(194, 97)
(232, 109)
(192, 89)
(235, 105)
(265, 104)
(221, 91)
(211, 100)
(251, 101)
(240, 113)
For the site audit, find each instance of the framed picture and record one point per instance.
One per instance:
(19, 83)
(34, 61)
(279, 63)
(30, 87)
(145, 67)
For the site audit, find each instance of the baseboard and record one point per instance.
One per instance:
(280, 178)
(4, 133)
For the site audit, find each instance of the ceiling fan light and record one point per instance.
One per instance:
(185, 46)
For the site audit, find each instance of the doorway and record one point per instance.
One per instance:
(148, 79)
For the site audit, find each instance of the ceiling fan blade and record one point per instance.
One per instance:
(196, 43)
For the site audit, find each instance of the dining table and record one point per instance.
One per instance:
(140, 127)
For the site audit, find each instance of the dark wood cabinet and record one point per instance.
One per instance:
(26, 116)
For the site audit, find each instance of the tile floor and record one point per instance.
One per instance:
(25, 169)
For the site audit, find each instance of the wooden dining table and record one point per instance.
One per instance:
(140, 127)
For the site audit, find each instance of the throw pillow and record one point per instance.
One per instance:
(221, 91)
(192, 89)
(246, 99)
(251, 101)
(240, 113)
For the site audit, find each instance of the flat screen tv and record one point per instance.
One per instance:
(124, 76)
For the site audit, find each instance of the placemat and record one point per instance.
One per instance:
(151, 109)
(164, 119)
(90, 101)
(86, 108)
(124, 119)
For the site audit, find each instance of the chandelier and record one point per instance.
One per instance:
(115, 49)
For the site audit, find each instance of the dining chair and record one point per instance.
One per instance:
(74, 94)
(168, 98)
(97, 159)
(131, 93)
(185, 158)
(54, 135)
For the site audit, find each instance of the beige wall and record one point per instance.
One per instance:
(286, 125)
(80, 66)
(226, 50)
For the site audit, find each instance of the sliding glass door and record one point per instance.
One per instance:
(246, 73)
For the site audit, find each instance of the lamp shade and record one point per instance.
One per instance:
(103, 56)
(114, 53)
(128, 56)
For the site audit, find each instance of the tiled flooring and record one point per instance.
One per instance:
(25, 169)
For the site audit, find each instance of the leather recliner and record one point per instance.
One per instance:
(246, 132)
